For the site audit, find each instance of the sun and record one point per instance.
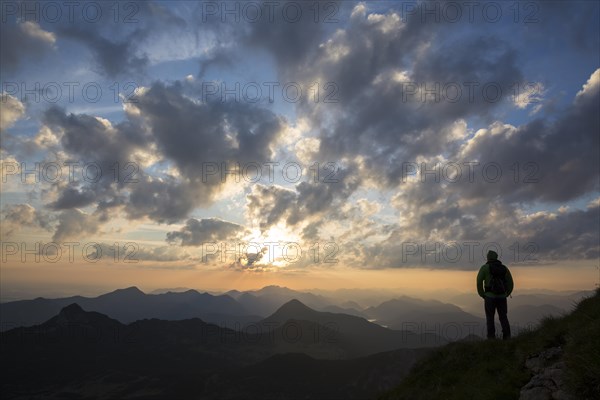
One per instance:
(280, 246)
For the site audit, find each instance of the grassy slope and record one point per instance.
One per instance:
(496, 369)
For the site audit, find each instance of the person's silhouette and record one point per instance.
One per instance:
(494, 285)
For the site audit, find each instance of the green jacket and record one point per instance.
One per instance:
(483, 279)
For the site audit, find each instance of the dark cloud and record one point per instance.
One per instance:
(217, 58)
(98, 154)
(195, 232)
(565, 234)
(536, 239)
(22, 41)
(72, 197)
(193, 134)
(380, 65)
(112, 57)
(164, 200)
(270, 204)
(562, 155)
(170, 126)
(18, 216)
(310, 202)
(117, 34)
(131, 253)
(292, 42)
(114, 35)
(74, 223)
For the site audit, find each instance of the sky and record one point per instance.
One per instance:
(232, 145)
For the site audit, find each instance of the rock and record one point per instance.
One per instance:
(540, 380)
(555, 374)
(551, 353)
(548, 379)
(562, 395)
(536, 393)
(536, 364)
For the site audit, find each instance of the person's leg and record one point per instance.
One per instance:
(489, 317)
(502, 306)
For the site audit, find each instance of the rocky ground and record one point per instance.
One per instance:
(547, 382)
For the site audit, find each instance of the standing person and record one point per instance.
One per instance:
(494, 285)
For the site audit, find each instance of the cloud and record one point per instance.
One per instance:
(267, 205)
(542, 162)
(530, 94)
(307, 206)
(112, 57)
(383, 68)
(564, 235)
(34, 31)
(12, 111)
(99, 153)
(533, 239)
(21, 41)
(376, 61)
(165, 125)
(19, 216)
(553, 152)
(74, 223)
(591, 87)
(196, 232)
(131, 252)
(249, 261)
(193, 134)
(121, 40)
(289, 42)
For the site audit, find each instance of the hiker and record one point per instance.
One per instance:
(494, 285)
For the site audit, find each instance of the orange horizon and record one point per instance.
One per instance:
(92, 279)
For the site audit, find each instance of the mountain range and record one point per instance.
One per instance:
(86, 354)
(182, 344)
(130, 304)
(236, 309)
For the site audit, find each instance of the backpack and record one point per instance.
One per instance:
(497, 284)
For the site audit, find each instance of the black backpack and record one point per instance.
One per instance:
(498, 282)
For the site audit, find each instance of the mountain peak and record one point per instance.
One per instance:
(73, 307)
(274, 288)
(130, 291)
(72, 311)
(293, 307)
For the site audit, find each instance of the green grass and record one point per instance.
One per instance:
(496, 369)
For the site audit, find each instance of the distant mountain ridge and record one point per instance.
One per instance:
(239, 309)
(355, 335)
(128, 305)
(268, 299)
(408, 313)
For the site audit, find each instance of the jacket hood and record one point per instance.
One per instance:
(492, 255)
